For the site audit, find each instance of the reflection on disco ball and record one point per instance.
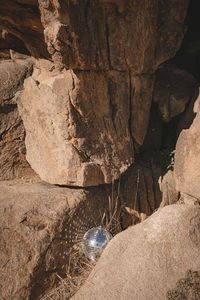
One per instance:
(94, 241)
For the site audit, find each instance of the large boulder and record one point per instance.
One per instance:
(38, 228)
(74, 135)
(42, 224)
(187, 157)
(13, 162)
(145, 261)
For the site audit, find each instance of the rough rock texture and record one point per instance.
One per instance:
(187, 174)
(34, 219)
(12, 147)
(113, 48)
(186, 119)
(139, 191)
(86, 112)
(113, 34)
(85, 138)
(174, 88)
(41, 224)
(145, 261)
(167, 187)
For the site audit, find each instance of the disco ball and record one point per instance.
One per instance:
(94, 241)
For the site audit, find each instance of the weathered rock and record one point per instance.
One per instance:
(95, 143)
(113, 34)
(139, 191)
(174, 88)
(145, 261)
(114, 40)
(77, 130)
(12, 77)
(141, 98)
(21, 20)
(167, 187)
(187, 157)
(12, 147)
(185, 119)
(42, 224)
(37, 233)
(84, 34)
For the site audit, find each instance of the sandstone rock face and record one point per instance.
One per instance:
(41, 225)
(75, 136)
(12, 147)
(112, 34)
(174, 88)
(139, 191)
(86, 111)
(37, 233)
(167, 186)
(103, 86)
(187, 175)
(147, 260)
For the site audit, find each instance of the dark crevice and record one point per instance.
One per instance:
(147, 195)
(108, 45)
(188, 57)
(7, 108)
(113, 107)
(131, 94)
(86, 14)
(102, 70)
(82, 155)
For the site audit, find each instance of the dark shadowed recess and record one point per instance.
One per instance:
(161, 137)
(21, 29)
(188, 57)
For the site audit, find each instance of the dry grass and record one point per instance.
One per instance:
(79, 267)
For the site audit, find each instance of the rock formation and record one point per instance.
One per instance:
(74, 139)
(13, 163)
(145, 261)
(36, 233)
(41, 223)
(90, 101)
(113, 48)
(186, 169)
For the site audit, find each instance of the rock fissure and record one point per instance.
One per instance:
(131, 95)
(107, 45)
(97, 97)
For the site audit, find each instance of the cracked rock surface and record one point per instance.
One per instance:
(145, 261)
(89, 111)
(13, 162)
